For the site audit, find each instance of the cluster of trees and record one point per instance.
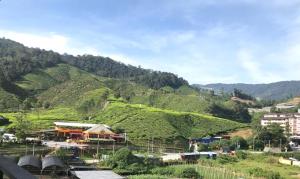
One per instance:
(124, 162)
(273, 134)
(21, 126)
(233, 144)
(238, 93)
(17, 60)
(263, 136)
(237, 112)
(104, 66)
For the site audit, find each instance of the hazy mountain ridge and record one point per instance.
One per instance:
(272, 91)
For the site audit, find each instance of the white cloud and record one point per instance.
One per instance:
(61, 44)
(254, 68)
(52, 41)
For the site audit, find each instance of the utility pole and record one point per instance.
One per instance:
(114, 147)
(126, 140)
(280, 144)
(33, 149)
(152, 144)
(125, 137)
(148, 146)
(98, 148)
(253, 143)
(26, 149)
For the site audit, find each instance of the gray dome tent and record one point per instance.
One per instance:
(30, 163)
(52, 163)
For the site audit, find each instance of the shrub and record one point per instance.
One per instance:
(187, 173)
(224, 159)
(163, 171)
(3, 121)
(297, 155)
(137, 168)
(241, 155)
(122, 158)
(259, 172)
(202, 147)
(124, 162)
(147, 177)
(152, 162)
(258, 144)
(273, 175)
(240, 141)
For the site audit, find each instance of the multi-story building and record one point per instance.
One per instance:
(285, 120)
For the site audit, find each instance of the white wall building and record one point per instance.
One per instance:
(288, 119)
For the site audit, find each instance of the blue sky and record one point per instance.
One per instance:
(228, 41)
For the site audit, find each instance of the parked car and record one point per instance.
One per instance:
(9, 137)
(33, 140)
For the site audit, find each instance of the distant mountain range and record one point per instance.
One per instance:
(272, 91)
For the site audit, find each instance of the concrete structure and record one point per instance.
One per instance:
(100, 174)
(257, 110)
(285, 120)
(285, 106)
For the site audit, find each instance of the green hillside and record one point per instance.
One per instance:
(139, 121)
(76, 95)
(141, 102)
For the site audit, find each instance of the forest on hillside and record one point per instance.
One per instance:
(17, 60)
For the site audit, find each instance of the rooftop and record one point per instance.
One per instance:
(74, 124)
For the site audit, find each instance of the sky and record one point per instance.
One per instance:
(203, 41)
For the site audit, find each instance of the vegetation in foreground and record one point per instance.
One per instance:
(254, 166)
(246, 166)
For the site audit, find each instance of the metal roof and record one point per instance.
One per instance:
(99, 129)
(30, 160)
(207, 153)
(51, 161)
(73, 124)
(100, 174)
